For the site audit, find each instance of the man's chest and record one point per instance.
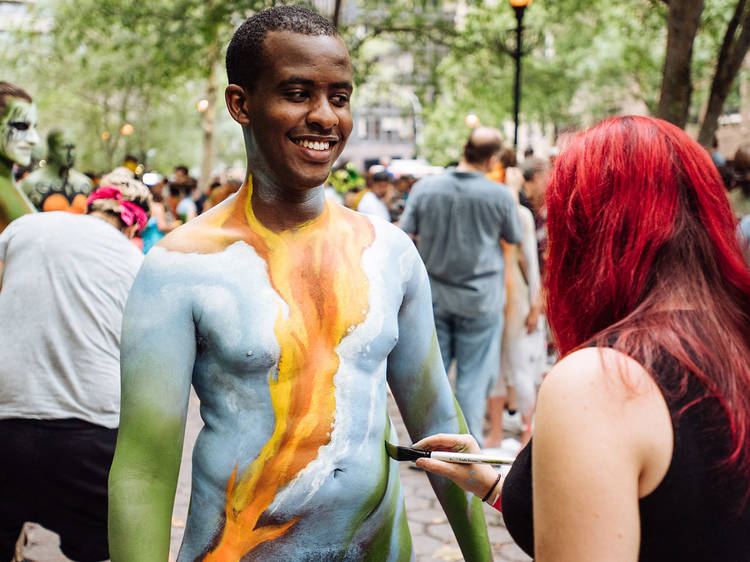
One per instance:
(252, 321)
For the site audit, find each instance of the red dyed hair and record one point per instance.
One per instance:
(643, 257)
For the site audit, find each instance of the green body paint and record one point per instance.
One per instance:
(17, 137)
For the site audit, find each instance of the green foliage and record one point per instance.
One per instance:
(103, 63)
(586, 59)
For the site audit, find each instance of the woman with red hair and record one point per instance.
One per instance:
(641, 446)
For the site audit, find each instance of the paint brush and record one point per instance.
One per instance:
(400, 453)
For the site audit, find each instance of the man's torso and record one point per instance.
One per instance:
(49, 192)
(290, 368)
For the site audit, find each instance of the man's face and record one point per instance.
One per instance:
(18, 131)
(62, 151)
(299, 110)
(380, 189)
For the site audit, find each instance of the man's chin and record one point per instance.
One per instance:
(22, 159)
(308, 179)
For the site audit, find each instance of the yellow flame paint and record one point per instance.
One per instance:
(317, 271)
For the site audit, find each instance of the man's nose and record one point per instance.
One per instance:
(32, 137)
(322, 114)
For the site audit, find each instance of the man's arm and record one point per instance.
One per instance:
(13, 203)
(409, 221)
(510, 229)
(157, 355)
(424, 397)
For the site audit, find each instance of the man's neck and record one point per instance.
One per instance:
(281, 209)
(465, 166)
(6, 169)
(58, 169)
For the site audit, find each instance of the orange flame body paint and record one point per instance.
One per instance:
(317, 271)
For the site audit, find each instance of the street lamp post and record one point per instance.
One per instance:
(519, 6)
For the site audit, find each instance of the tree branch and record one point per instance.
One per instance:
(732, 53)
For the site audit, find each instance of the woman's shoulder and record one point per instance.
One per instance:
(599, 369)
(613, 406)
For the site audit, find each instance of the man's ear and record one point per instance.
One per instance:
(236, 98)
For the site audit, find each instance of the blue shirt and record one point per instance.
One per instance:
(459, 219)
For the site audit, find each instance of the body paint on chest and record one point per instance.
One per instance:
(317, 271)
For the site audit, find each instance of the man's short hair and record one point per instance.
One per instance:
(246, 56)
(181, 168)
(478, 151)
(381, 176)
(54, 137)
(8, 90)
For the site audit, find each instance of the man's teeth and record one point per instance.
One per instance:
(314, 145)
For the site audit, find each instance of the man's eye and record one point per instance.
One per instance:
(20, 126)
(296, 95)
(340, 100)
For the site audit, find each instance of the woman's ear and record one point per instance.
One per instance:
(236, 98)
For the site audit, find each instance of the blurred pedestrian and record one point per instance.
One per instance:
(458, 219)
(57, 186)
(161, 221)
(17, 137)
(716, 154)
(739, 195)
(375, 200)
(220, 192)
(181, 203)
(523, 345)
(641, 447)
(399, 195)
(535, 176)
(744, 232)
(64, 279)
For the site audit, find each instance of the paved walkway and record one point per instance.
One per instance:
(432, 536)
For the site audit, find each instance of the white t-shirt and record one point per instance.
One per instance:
(63, 289)
(371, 205)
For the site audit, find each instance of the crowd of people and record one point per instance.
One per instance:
(294, 300)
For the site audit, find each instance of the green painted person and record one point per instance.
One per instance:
(57, 186)
(18, 135)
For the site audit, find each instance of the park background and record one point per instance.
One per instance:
(146, 77)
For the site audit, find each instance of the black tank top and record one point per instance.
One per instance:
(695, 514)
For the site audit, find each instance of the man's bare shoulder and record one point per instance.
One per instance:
(212, 232)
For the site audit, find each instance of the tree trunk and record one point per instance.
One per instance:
(732, 53)
(209, 116)
(683, 21)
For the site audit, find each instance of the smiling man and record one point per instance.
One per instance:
(289, 315)
(17, 137)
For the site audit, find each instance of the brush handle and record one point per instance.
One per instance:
(468, 458)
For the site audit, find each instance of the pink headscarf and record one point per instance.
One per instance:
(129, 212)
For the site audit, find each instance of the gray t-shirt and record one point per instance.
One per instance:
(459, 218)
(63, 289)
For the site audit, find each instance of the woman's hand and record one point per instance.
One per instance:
(474, 478)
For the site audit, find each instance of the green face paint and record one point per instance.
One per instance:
(61, 150)
(18, 133)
